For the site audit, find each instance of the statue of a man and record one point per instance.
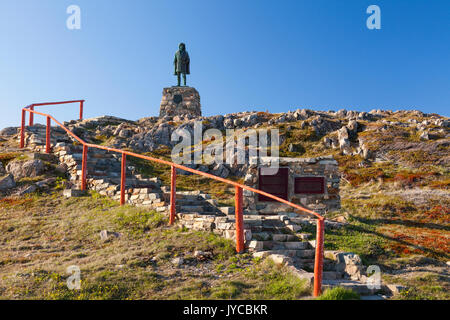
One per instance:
(181, 63)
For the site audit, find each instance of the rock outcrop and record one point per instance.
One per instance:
(7, 182)
(28, 168)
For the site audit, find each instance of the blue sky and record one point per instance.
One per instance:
(245, 55)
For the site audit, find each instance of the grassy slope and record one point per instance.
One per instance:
(41, 235)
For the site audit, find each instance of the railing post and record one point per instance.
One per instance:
(84, 168)
(122, 179)
(239, 220)
(173, 194)
(81, 110)
(22, 130)
(47, 137)
(31, 123)
(318, 264)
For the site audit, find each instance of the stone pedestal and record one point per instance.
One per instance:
(180, 101)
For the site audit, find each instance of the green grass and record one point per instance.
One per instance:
(339, 293)
(51, 233)
(427, 286)
(263, 281)
(138, 221)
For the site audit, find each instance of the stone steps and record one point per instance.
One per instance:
(307, 253)
(190, 208)
(270, 229)
(308, 264)
(257, 245)
(280, 237)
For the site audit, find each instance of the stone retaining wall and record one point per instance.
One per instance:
(325, 167)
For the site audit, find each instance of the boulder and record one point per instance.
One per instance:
(305, 113)
(202, 255)
(21, 169)
(341, 113)
(363, 116)
(45, 183)
(9, 131)
(424, 136)
(105, 235)
(7, 182)
(327, 142)
(366, 153)
(69, 193)
(162, 135)
(220, 170)
(351, 264)
(177, 261)
(352, 127)
(251, 119)
(395, 289)
(217, 122)
(279, 259)
(26, 190)
(228, 123)
(61, 168)
(237, 122)
(344, 142)
(125, 133)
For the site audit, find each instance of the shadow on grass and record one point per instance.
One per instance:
(404, 222)
(384, 236)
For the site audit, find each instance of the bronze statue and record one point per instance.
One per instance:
(181, 63)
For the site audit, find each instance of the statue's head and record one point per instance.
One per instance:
(182, 46)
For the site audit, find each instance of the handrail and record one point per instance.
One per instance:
(31, 107)
(318, 267)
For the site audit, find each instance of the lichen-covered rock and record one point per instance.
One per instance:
(220, 170)
(7, 182)
(352, 127)
(424, 136)
(323, 126)
(343, 138)
(21, 169)
(26, 190)
(9, 131)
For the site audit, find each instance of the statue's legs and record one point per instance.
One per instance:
(178, 77)
(184, 79)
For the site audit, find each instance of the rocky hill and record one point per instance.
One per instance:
(395, 191)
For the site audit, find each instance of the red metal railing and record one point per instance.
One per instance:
(318, 265)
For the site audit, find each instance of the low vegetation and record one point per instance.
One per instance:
(339, 293)
(40, 236)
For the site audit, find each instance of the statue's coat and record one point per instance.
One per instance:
(182, 62)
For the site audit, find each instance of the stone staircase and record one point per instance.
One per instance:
(276, 236)
(280, 238)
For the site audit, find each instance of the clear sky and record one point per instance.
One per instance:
(245, 55)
